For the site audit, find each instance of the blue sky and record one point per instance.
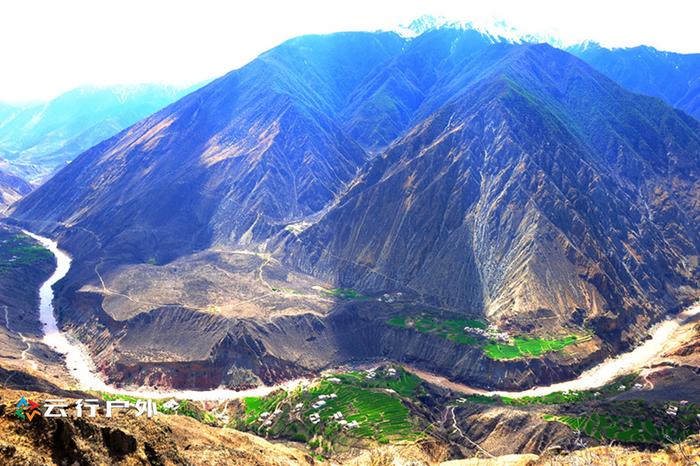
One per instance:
(51, 46)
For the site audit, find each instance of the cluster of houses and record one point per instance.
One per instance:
(372, 373)
(491, 332)
(267, 418)
(315, 417)
(391, 297)
(672, 410)
(322, 400)
(340, 419)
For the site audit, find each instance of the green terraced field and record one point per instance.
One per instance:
(405, 384)
(381, 415)
(530, 347)
(453, 330)
(376, 404)
(621, 384)
(258, 405)
(631, 429)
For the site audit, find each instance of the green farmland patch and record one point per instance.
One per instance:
(20, 250)
(346, 293)
(645, 427)
(530, 347)
(474, 333)
(375, 407)
(450, 329)
(621, 384)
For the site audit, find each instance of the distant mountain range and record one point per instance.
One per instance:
(37, 139)
(508, 182)
(673, 77)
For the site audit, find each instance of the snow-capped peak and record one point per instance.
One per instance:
(420, 25)
(496, 31)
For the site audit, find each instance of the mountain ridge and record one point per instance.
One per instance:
(670, 76)
(516, 185)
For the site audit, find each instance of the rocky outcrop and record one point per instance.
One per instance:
(506, 431)
(130, 440)
(12, 188)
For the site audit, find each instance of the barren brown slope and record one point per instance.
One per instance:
(683, 454)
(129, 440)
(231, 163)
(12, 188)
(533, 192)
(542, 189)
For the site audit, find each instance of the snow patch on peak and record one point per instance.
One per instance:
(498, 31)
(420, 25)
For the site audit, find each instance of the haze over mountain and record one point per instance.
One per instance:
(12, 188)
(38, 138)
(506, 182)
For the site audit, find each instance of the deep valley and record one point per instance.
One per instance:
(365, 248)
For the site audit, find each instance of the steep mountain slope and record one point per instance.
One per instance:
(387, 100)
(543, 186)
(230, 163)
(39, 138)
(673, 77)
(12, 188)
(509, 183)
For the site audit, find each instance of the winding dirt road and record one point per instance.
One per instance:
(24, 339)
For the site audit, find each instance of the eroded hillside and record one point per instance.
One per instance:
(275, 222)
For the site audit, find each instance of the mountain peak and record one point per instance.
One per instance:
(497, 30)
(420, 25)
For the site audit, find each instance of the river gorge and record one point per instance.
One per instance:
(81, 367)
